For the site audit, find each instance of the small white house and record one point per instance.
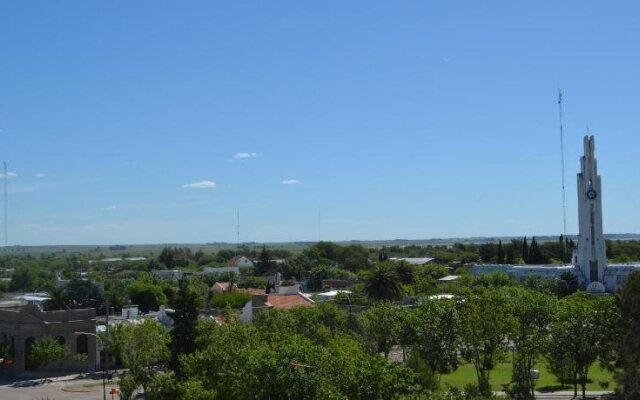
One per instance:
(414, 260)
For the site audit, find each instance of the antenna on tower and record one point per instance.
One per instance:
(6, 221)
(564, 203)
(237, 231)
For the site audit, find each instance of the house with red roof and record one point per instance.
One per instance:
(240, 261)
(261, 302)
(223, 287)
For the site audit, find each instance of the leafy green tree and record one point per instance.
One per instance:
(406, 272)
(500, 257)
(437, 337)
(185, 317)
(532, 312)
(582, 331)
(426, 278)
(628, 343)
(164, 386)
(558, 360)
(141, 348)
(381, 326)
(567, 284)
(234, 300)
(264, 264)
(23, 278)
(354, 257)
(382, 254)
(525, 251)
(383, 283)
(496, 279)
(147, 296)
(176, 257)
(487, 252)
(80, 293)
(535, 254)
(510, 252)
(485, 324)
(46, 350)
(282, 364)
(116, 292)
(128, 386)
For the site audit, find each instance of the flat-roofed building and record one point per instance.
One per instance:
(20, 327)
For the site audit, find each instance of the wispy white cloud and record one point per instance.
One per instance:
(112, 207)
(244, 156)
(9, 175)
(40, 175)
(446, 59)
(22, 189)
(290, 182)
(200, 185)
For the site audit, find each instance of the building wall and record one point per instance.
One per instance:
(29, 323)
(615, 275)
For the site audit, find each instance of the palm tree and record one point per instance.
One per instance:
(384, 283)
(57, 299)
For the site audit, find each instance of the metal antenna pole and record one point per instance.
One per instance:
(105, 367)
(564, 203)
(6, 223)
(237, 232)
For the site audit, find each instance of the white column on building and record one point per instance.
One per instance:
(591, 254)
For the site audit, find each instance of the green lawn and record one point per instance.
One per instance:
(466, 374)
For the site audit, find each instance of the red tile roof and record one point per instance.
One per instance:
(234, 261)
(253, 291)
(284, 302)
(222, 286)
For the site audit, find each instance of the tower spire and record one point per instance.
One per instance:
(591, 254)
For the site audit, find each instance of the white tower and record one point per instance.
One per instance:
(591, 255)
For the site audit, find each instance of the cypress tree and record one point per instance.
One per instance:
(383, 256)
(185, 317)
(500, 256)
(510, 257)
(535, 255)
(525, 251)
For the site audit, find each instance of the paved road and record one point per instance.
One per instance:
(72, 388)
(59, 389)
(568, 394)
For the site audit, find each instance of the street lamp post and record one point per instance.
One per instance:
(104, 373)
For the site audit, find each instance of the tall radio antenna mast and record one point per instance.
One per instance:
(564, 203)
(6, 223)
(237, 231)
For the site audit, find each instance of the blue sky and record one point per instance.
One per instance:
(407, 119)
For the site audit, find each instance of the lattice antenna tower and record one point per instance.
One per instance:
(564, 202)
(237, 232)
(6, 207)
